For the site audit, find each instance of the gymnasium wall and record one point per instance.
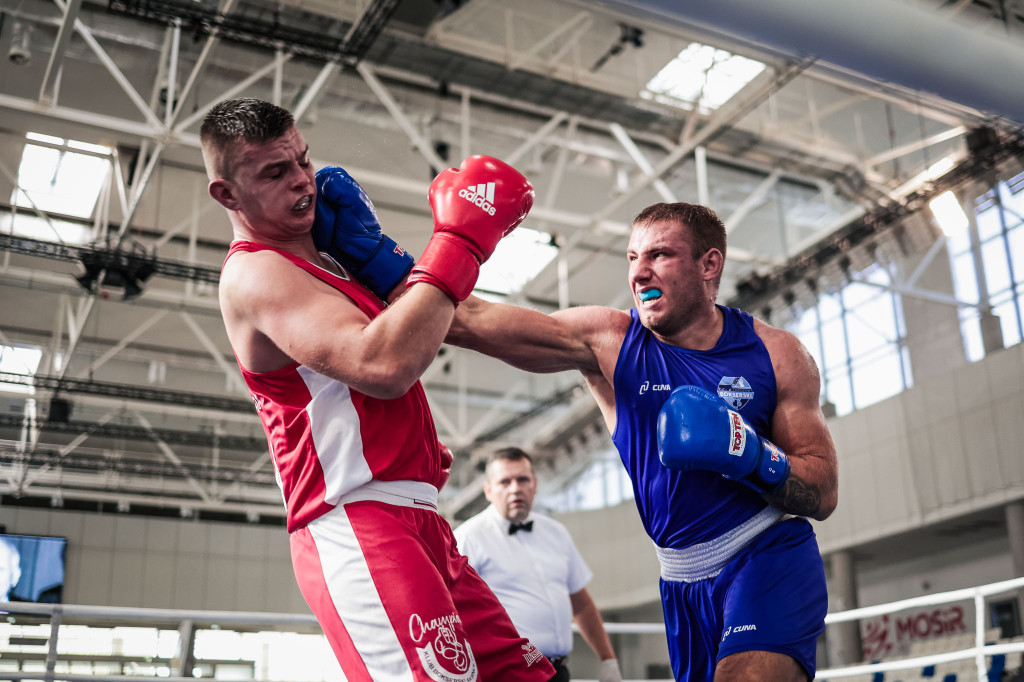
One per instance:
(964, 563)
(123, 560)
(948, 446)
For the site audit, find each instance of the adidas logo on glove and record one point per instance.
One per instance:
(481, 195)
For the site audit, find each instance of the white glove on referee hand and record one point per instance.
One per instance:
(610, 671)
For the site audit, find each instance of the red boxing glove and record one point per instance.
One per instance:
(446, 463)
(474, 206)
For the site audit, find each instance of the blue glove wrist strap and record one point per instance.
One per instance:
(771, 471)
(384, 269)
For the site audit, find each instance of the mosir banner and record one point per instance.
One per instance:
(891, 634)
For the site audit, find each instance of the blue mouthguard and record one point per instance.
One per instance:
(649, 294)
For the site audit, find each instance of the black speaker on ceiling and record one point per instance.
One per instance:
(981, 139)
(60, 410)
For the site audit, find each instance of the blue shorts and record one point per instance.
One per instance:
(770, 597)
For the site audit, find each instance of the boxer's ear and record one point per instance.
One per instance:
(223, 192)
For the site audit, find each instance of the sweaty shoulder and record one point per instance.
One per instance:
(597, 324)
(602, 329)
(247, 274)
(276, 312)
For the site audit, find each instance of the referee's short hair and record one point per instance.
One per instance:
(511, 455)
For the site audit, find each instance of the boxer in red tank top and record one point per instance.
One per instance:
(334, 376)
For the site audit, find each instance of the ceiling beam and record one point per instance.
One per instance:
(230, 371)
(620, 134)
(522, 58)
(767, 82)
(425, 148)
(751, 201)
(226, 6)
(47, 91)
(114, 71)
(327, 71)
(234, 91)
(169, 453)
(540, 135)
(910, 147)
(38, 472)
(122, 343)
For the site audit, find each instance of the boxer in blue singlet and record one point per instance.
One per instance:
(716, 417)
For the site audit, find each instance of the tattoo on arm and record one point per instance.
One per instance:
(798, 497)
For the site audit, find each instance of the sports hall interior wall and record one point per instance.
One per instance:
(124, 560)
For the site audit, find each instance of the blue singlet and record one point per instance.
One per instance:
(680, 508)
(735, 576)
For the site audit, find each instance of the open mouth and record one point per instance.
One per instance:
(647, 295)
(303, 203)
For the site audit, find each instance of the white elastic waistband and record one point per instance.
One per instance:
(402, 493)
(707, 559)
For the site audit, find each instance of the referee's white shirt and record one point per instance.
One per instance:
(532, 574)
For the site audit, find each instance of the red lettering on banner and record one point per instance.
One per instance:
(922, 625)
(957, 623)
(884, 637)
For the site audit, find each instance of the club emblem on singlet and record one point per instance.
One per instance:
(443, 656)
(736, 391)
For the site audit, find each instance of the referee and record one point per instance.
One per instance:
(530, 562)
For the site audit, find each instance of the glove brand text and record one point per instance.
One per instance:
(478, 200)
(738, 441)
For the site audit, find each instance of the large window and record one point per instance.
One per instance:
(517, 259)
(857, 337)
(998, 247)
(603, 482)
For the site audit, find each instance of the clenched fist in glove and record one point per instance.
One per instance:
(697, 430)
(347, 229)
(474, 206)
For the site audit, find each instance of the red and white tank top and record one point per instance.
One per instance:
(326, 438)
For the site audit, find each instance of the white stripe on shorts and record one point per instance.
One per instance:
(356, 598)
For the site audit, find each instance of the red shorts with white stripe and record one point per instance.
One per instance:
(397, 601)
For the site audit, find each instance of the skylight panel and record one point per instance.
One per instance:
(39, 137)
(57, 180)
(18, 360)
(32, 226)
(518, 259)
(86, 147)
(702, 77)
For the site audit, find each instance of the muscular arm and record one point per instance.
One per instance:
(799, 428)
(585, 339)
(564, 340)
(588, 620)
(276, 312)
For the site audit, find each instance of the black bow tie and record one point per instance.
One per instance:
(525, 525)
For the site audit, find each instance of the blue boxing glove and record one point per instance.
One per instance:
(347, 229)
(697, 430)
